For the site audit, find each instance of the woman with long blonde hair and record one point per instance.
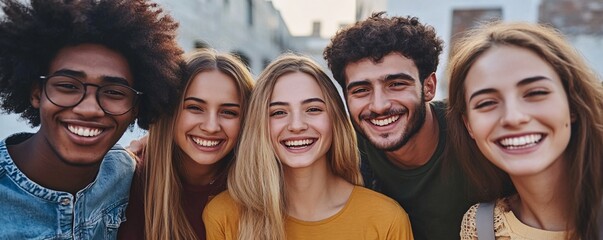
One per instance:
(296, 174)
(188, 154)
(525, 107)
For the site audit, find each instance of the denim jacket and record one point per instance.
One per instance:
(30, 211)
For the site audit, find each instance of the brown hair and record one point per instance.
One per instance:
(585, 98)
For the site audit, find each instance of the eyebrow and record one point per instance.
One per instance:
(523, 82)
(199, 100)
(81, 74)
(309, 100)
(386, 78)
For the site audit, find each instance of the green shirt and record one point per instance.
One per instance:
(435, 195)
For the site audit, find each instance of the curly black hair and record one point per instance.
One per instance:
(32, 34)
(378, 36)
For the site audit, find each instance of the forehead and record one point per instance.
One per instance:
(92, 60)
(213, 84)
(505, 66)
(367, 69)
(295, 86)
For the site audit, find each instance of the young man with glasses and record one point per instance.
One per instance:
(82, 71)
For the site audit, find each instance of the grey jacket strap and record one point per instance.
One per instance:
(484, 221)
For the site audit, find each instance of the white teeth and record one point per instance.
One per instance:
(384, 122)
(521, 142)
(298, 143)
(206, 143)
(84, 131)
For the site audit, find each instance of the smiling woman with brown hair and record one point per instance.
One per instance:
(525, 106)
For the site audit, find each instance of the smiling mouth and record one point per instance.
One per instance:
(84, 131)
(299, 144)
(384, 122)
(525, 141)
(205, 142)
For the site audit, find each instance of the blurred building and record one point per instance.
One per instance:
(252, 29)
(581, 21)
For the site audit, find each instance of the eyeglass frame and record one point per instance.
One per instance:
(44, 80)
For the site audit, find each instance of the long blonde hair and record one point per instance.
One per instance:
(255, 180)
(585, 98)
(164, 216)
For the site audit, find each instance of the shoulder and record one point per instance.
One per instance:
(366, 201)
(117, 155)
(221, 206)
(468, 227)
(377, 211)
(221, 217)
(469, 223)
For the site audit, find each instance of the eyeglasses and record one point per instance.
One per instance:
(66, 91)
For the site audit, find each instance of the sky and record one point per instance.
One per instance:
(299, 15)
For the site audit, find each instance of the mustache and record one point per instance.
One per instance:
(371, 115)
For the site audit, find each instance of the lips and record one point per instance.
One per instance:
(299, 143)
(206, 142)
(520, 142)
(84, 131)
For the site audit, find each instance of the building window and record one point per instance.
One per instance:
(465, 19)
(250, 12)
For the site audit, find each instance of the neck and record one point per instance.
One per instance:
(420, 148)
(194, 174)
(315, 194)
(543, 199)
(46, 168)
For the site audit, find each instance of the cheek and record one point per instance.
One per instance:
(355, 106)
(232, 128)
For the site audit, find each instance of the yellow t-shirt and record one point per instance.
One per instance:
(366, 215)
(506, 225)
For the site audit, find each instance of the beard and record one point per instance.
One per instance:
(412, 128)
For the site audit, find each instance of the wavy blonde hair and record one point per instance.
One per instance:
(256, 179)
(164, 216)
(585, 98)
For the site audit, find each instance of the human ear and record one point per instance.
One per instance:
(429, 87)
(35, 95)
(467, 126)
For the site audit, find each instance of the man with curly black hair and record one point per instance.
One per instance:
(83, 71)
(386, 67)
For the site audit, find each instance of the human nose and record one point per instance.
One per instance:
(379, 102)
(211, 123)
(89, 105)
(514, 114)
(297, 123)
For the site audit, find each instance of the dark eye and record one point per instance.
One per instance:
(397, 84)
(484, 104)
(314, 109)
(230, 113)
(277, 113)
(539, 92)
(359, 90)
(193, 108)
(67, 87)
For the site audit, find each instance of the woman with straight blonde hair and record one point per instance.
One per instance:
(296, 174)
(525, 107)
(188, 154)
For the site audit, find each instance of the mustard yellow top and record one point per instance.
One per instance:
(506, 225)
(366, 215)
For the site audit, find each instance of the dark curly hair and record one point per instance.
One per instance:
(378, 36)
(32, 34)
